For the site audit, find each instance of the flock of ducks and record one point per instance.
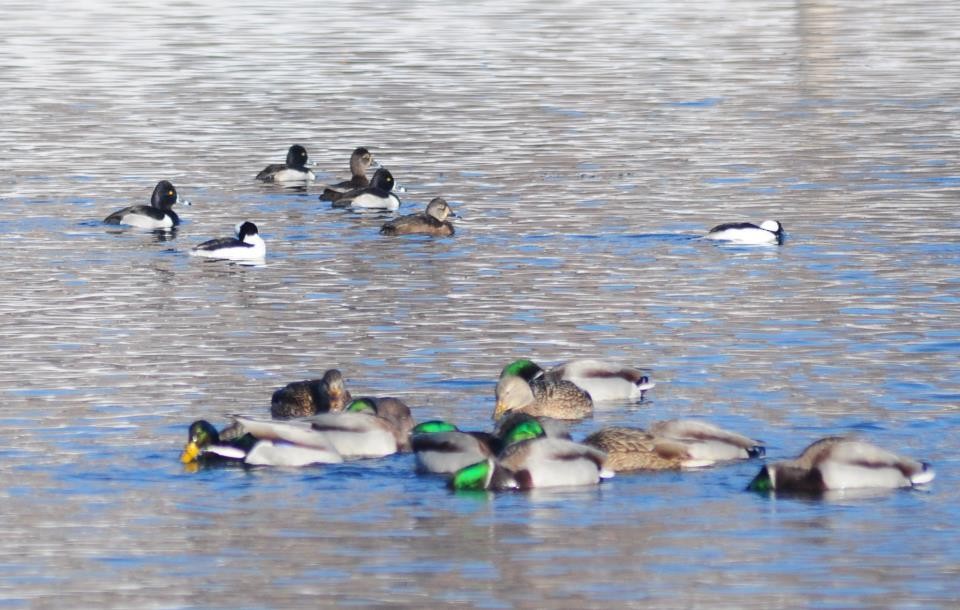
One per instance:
(357, 192)
(318, 421)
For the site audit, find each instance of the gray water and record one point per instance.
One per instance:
(586, 145)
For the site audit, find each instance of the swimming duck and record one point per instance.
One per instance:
(768, 232)
(679, 443)
(294, 170)
(158, 215)
(839, 463)
(281, 448)
(532, 460)
(312, 396)
(602, 379)
(367, 428)
(432, 222)
(360, 160)
(376, 196)
(442, 448)
(560, 400)
(246, 246)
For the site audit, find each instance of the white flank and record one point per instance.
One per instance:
(373, 202)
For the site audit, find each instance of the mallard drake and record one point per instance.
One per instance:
(560, 400)
(838, 463)
(531, 460)
(602, 379)
(442, 448)
(297, 447)
(361, 159)
(367, 428)
(431, 222)
(306, 398)
(679, 443)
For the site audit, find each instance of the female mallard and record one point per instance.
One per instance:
(367, 428)
(361, 159)
(431, 222)
(532, 460)
(679, 443)
(602, 379)
(441, 448)
(839, 462)
(297, 447)
(306, 398)
(560, 400)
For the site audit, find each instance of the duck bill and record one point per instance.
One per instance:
(190, 453)
(499, 411)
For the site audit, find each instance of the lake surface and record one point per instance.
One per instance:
(586, 146)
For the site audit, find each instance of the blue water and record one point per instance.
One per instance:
(586, 148)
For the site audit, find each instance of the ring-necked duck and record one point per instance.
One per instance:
(158, 215)
(768, 232)
(360, 160)
(377, 196)
(294, 170)
(247, 245)
(431, 222)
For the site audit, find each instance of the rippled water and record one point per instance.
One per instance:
(586, 147)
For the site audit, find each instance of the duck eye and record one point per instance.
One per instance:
(170, 193)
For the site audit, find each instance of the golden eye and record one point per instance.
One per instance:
(170, 193)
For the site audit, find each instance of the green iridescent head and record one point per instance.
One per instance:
(433, 426)
(362, 405)
(762, 482)
(524, 430)
(474, 477)
(527, 369)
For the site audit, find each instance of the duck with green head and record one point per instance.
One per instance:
(442, 448)
(312, 396)
(602, 379)
(673, 444)
(367, 428)
(530, 459)
(205, 446)
(837, 463)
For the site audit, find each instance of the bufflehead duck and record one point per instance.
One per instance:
(360, 160)
(294, 170)
(838, 462)
(247, 245)
(377, 196)
(769, 232)
(432, 222)
(158, 215)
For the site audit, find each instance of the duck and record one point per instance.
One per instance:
(672, 444)
(158, 215)
(377, 196)
(440, 447)
(301, 447)
(293, 170)
(604, 380)
(746, 233)
(532, 460)
(366, 428)
(559, 400)
(839, 463)
(246, 246)
(311, 396)
(431, 222)
(360, 160)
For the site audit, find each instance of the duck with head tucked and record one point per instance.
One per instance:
(673, 444)
(377, 196)
(431, 222)
(837, 463)
(366, 428)
(530, 460)
(312, 396)
(158, 215)
(768, 232)
(602, 379)
(360, 160)
(300, 447)
(559, 400)
(292, 171)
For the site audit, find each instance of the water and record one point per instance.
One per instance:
(585, 145)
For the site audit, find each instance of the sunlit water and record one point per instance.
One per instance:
(586, 146)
